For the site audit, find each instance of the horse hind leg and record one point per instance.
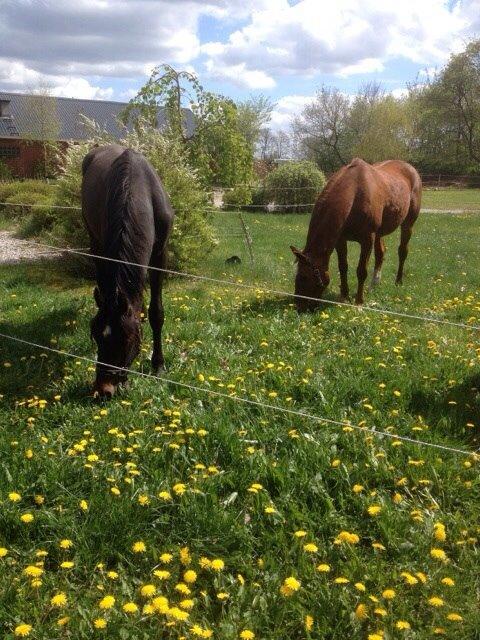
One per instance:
(365, 251)
(379, 258)
(405, 235)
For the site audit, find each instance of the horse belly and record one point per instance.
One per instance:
(392, 218)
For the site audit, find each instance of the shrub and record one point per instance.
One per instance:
(5, 171)
(296, 184)
(192, 235)
(27, 192)
(237, 197)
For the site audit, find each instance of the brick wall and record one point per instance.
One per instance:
(25, 159)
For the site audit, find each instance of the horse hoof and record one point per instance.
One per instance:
(159, 368)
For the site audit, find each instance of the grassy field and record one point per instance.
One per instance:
(449, 199)
(169, 513)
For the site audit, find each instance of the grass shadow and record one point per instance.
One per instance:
(450, 408)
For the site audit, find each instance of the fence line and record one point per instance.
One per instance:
(234, 398)
(242, 285)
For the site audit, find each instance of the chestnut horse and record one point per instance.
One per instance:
(363, 203)
(128, 218)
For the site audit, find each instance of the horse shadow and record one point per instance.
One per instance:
(29, 369)
(456, 406)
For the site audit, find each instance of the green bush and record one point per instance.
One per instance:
(192, 235)
(5, 171)
(237, 196)
(27, 192)
(294, 183)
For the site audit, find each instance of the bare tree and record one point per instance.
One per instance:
(43, 124)
(322, 128)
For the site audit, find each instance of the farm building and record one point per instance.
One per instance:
(27, 121)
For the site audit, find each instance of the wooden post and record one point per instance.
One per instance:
(248, 237)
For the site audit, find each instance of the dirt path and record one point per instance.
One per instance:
(13, 250)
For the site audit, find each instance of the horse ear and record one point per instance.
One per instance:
(298, 254)
(98, 297)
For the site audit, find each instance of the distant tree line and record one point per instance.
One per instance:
(435, 125)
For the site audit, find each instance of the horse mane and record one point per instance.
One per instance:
(121, 243)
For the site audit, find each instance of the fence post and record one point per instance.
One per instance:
(248, 237)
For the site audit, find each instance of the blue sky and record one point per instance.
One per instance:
(285, 49)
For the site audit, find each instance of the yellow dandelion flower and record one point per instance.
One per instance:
(439, 554)
(166, 558)
(67, 564)
(130, 608)
(357, 488)
(360, 586)
(449, 582)
(310, 547)
(65, 544)
(179, 488)
(185, 557)
(3, 552)
(61, 622)
(388, 594)
(454, 617)
(165, 495)
(341, 580)
(308, 623)
(435, 601)
(361, 612)
(107, 602)
(22, 630)
(27, 518)
(190, 576)
(148, 590)
(374, 510)
(14, 496)
(290, 586)
(300, 533)
(186, 604)
(375, 636)
(59, 600)
(439, 532)
(161, 574)
(99, 623)
(403, 625)
(217, 564)
(32, 571)
(409, 579)
(143, 500)
(139, 547)
(324, 568)
(246, 634)
(345, 536)
(379, 611)
(83, 504)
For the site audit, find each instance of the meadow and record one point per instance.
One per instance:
(172, 513)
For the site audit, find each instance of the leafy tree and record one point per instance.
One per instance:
(216, 148)
(446, 114)
(253, 115)
(296, 184)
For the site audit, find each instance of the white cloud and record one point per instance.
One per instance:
(286, 108)
(345, 37)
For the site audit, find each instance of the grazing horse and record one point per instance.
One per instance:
(363, 203)
(128, 218)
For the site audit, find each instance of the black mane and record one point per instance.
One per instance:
(122, 238)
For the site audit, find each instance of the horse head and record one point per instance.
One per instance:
(116, 329)
(311, 280)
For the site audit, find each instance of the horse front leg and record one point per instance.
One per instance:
(343, 268)
(156, 315)
(365, 251)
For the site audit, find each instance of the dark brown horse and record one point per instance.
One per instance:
(363, 203)
(128, 218)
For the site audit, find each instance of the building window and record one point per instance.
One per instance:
(5, 109)
(9, 152)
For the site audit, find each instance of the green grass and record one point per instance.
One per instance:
(449, 198)
(411, 378)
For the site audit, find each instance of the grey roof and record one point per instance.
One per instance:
(24, 119)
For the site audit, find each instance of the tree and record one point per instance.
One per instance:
(322, 129)
(446, 114)
(43, 125)
(273, 145)
(216, 148)
(253, 116)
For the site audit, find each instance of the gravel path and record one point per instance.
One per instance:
(13, 250)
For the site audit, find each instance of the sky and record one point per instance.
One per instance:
(284, 49)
